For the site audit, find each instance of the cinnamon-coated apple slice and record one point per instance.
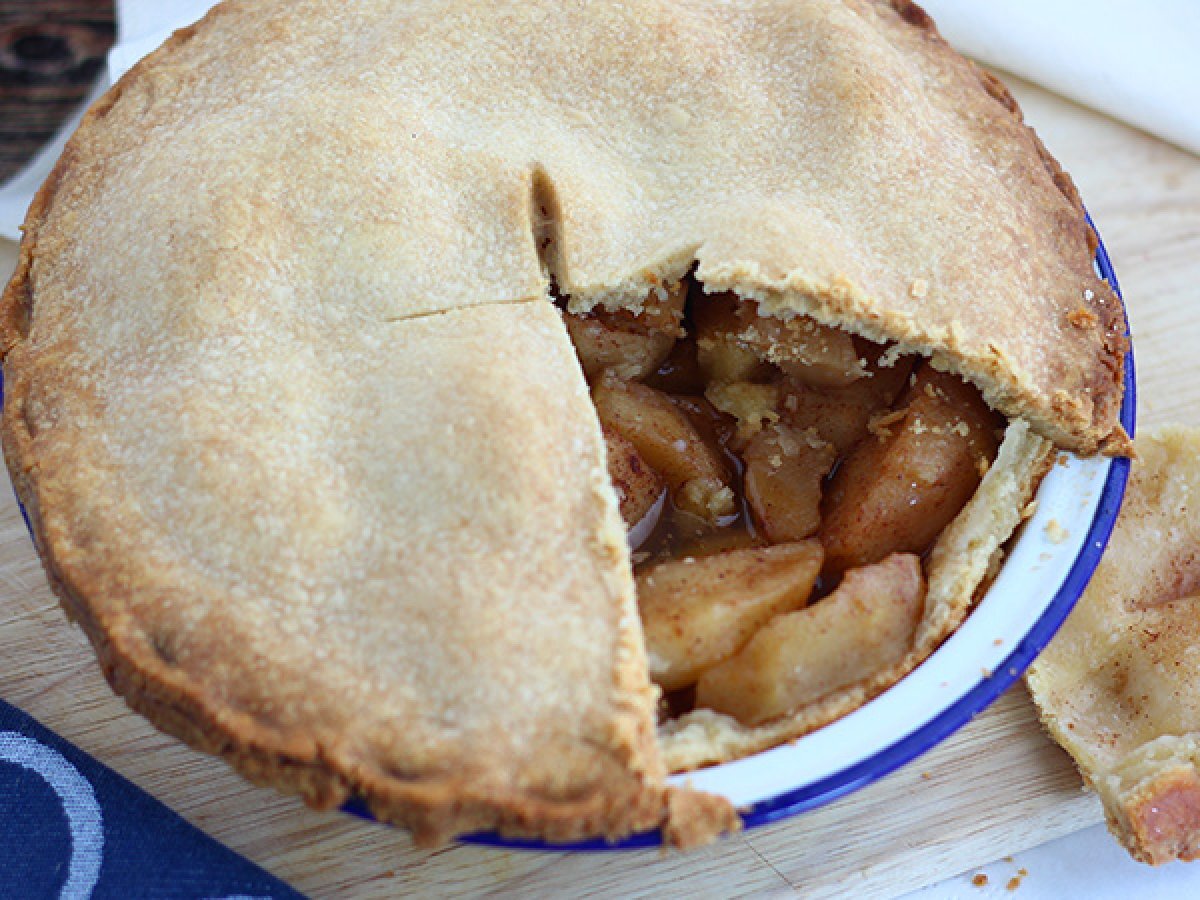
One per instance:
(698, 611)
(670, 443)
(902, 485)
(863, 627)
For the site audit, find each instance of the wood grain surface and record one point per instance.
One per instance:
(50, 53)
(996, 787)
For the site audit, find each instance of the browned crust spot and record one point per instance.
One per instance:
(695, 819)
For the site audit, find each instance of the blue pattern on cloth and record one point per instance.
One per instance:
(72, 828)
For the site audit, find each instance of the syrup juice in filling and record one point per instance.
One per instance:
(780, 480)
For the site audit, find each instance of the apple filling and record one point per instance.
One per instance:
(781, 482)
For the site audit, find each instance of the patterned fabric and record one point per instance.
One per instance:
(71, 828)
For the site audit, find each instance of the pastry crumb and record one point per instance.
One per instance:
(919, 288)
(1082, 317)
(878, 425)
(813, 438)
(980, 880)
(1055, 533)
(890, 358)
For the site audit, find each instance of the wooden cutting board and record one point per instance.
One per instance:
(995, 788)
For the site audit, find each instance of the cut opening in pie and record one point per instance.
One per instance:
(782, 483)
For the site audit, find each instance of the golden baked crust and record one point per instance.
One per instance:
(1119, 686)
(299, 435)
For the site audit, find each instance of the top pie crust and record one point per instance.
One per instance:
(307, 452)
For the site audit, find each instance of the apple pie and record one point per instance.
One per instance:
(486, 410)
(1119, 686)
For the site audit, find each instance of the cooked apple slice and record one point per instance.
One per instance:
(714, 426)
(670, 443)
(901, 486)
(841, 415)
(722, 357)
(784, 471)
(698, 611)
(603, 348)
(638, 486)
(627, 344)
(863, 627)
(713, 541)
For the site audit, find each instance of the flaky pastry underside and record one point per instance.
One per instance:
(305, 447)
(1119, 686)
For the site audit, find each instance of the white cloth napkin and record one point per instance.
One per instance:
(1138, 62)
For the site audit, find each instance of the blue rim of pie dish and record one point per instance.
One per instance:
(940, 726)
